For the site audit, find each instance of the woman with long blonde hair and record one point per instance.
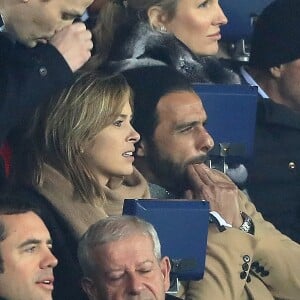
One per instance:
(77, 160)
(183, 34)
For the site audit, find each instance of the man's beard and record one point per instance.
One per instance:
(169, 174)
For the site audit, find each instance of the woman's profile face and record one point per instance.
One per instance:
(110, 153)
(197, 24)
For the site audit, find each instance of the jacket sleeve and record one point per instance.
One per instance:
(28, 76)
(227, 252)
(276, 258)
(268, 260)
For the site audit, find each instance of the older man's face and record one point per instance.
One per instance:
(128, 269)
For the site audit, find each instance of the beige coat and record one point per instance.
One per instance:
(275, 259)
(80, 215)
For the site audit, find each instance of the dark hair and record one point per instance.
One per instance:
(149, 84)
(12, 204)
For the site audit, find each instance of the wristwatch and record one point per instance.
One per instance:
(247, 225)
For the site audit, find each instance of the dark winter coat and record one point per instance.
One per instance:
(139, 45)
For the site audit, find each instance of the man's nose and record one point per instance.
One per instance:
(205, 142)
(48, 260)
(135, 284)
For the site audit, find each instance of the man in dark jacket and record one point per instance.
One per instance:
(121, 259)
(40, 48)
(274, 66)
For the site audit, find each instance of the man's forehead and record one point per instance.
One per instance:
(176, 108)
(176, 102)
(27, 223)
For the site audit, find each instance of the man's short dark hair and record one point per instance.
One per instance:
(149, 84)
(13, 204)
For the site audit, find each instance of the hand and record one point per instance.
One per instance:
(74, 42)
(218, 189)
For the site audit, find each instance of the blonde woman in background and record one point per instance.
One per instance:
(183, 34)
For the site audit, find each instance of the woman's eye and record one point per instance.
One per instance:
(203, 4)
(118, 123)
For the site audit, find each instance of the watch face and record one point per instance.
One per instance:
(247, 225)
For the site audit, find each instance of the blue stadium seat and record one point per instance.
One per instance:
(182, 227)
(241, 14)
(231, 111)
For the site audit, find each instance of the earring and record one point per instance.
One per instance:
(81, 151)
(162, 28)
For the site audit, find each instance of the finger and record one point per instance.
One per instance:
(217, 177)
(78, 26)
(195, 177)
(188, 195)
(203, 174)
(90, 45)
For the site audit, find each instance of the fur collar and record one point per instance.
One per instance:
(139, 45)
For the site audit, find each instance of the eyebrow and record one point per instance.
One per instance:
(121, 268)
(186, 124)
(34, 242)
(125, 116)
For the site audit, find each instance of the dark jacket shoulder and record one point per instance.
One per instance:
(28, 76)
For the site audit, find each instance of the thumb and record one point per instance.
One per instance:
(188, 194)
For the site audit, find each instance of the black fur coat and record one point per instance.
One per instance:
(139, 45)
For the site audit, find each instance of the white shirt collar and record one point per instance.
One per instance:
(250, 80)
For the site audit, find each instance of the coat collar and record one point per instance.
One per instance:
(138, 44)
(80, 215)
(270, 112)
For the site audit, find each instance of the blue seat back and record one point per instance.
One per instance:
(241, 14)
(231, 111)
(182, 227)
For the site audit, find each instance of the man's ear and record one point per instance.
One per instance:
(165, 266)
(157, 17)
(276, 71)
(89, 287)
(141, 148)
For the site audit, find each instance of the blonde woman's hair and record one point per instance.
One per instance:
(69, 122)
(117, 13)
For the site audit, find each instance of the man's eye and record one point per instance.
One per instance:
(118, 123)
(145, 270)
(115, 277)
(30, 249)
(67, 17)
(186, 129)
